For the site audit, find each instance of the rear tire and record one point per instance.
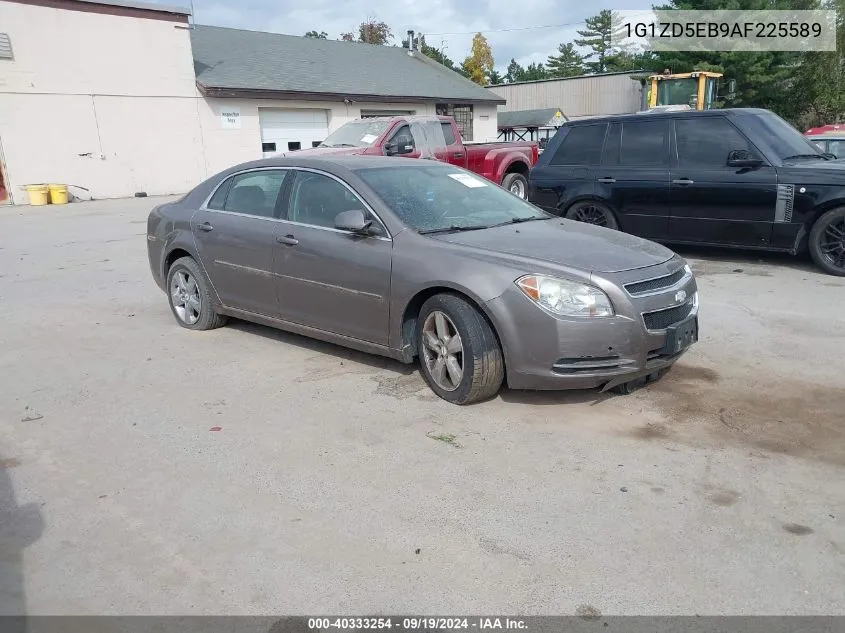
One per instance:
(592, 212)
(460, 357)
(517, 184)
(190, 298)
(827, 242)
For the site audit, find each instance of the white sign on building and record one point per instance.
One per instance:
(230, 118)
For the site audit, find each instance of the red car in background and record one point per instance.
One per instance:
(505, 163)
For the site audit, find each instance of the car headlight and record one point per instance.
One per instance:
(567, 298)
(687, 269)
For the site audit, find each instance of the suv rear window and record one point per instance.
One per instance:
(581, 146)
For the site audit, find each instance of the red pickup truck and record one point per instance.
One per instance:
(506, 164)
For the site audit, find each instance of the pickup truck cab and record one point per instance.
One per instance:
(740, 178)
(506, 164)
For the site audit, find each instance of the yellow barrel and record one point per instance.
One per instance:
(58, 194)
(38, 195)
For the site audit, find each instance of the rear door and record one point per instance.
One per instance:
(712, 202)
(455, 153)
(234, 235)
(567, 171)
(634, 175)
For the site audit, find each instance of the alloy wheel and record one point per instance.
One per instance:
(591, 214)
(185, 294)
(518, 189)
(443, 351)
(832, 243)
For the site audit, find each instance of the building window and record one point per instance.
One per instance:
(268, 147)
(462, 115)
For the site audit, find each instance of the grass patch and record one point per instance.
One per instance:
(446, 438)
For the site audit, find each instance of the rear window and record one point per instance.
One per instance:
(581, 146)
(448, 133)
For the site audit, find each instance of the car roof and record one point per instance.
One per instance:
(333, 162)
(671, 114)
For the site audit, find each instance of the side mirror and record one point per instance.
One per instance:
(743, 158)
(390, 149)
(353, 221)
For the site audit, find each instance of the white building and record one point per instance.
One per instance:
(121, 97)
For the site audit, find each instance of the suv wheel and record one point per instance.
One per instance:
(459, 354)
(827, 242)
(189, 294)
(592, 212)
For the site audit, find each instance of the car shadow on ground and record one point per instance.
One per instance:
(726, 258)
(591, 396)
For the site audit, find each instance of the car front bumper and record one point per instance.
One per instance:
(546, 352)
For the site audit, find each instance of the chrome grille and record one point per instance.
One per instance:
(659, 283)
(661, 319)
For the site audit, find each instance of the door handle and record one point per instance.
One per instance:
(205, 226)
(607, 181)
(290, 240)
(457, 155)
(683, 181)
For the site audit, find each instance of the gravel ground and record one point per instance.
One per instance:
(337, 483)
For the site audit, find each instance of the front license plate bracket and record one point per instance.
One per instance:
(680, 336)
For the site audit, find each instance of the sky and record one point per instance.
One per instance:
(525, 30)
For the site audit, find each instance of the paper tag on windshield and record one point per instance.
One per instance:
(368, 138)
(467, 180)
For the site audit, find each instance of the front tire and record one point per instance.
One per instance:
(517, 184)
(827, 242)
(592, 212)
(460, 357)
(189, 295)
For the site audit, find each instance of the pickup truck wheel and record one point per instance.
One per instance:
(517, 184)
(827, 242)
(592, 212)
(460, 357)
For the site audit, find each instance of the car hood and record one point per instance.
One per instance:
(566, 243)
(830, 172)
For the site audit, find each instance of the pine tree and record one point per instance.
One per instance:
(567, 63)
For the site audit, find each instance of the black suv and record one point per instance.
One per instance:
(741, 178)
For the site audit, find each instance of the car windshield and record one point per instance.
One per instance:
(356, 134)
(787, 142)
(437, 198)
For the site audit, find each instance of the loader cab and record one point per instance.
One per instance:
(697, 90)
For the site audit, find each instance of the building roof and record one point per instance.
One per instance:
(146, 6)
(544, 117)
(233, 62)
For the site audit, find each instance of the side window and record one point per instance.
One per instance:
(219, 196)
(317, 200)
(581, 146)
(448, 133)
(403, 136)
(836, 147)
(644, 143)
(707, 141)
(612, 145)
(255, 192)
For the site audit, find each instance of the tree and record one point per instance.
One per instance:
(431, 52)
(567, 63)
(495, 78)
(598, 35)
(322, 35)
(371, 31)
(533, 72)
(479, 64)
(347, 37)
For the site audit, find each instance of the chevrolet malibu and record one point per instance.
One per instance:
(424, 260)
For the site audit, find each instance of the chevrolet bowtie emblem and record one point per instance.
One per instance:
(680, 296)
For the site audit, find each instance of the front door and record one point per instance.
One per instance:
(329, 279)
(634, 176)
(712, 202)
(235, 239)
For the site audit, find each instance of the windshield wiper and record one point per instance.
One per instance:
(453, 229)
(794, 156)
(337, 145)
(519, 220)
